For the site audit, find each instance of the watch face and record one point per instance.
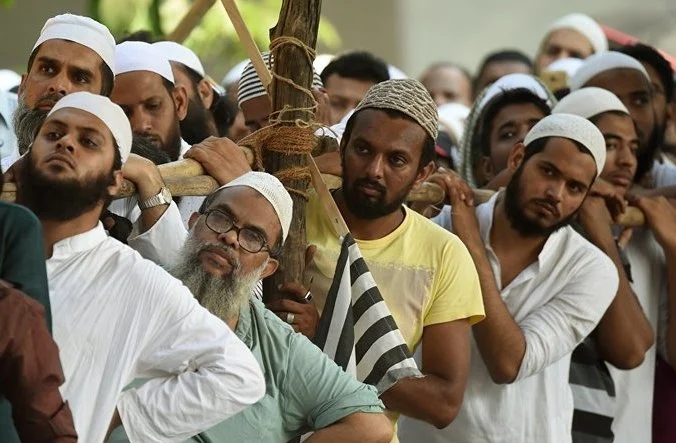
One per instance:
(166, 195)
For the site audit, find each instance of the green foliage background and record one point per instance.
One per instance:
(214, 40)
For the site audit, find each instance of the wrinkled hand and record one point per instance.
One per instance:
(305, 316)
(323, 112)
(221, 158)
(660, 216)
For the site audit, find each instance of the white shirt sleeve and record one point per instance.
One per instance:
(553, 330)
(161, 243)
(443, 218)
(203, 374)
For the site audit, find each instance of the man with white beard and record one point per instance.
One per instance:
(234, 241)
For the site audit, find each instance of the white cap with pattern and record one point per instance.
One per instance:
(141, 56)
(83, 30)
(586, 26)
(590, 102)
(274, 192)
(572, 127)
(250, 86)
(511, 82)
(605, 61)
(105, 110)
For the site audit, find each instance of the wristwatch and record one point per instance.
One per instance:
(161, 198)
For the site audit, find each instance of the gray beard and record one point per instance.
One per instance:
(27, 122)
(222, 296)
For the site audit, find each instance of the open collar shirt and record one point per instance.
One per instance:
(557, 301)
(116, 317)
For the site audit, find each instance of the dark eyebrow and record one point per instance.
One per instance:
(225, 208)
(56, 122)
(611, 136)
(92, 132)
(85, 71)
(45, 59)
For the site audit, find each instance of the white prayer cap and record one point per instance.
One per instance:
(250, 86)
(274, 192)
(589, 102)
(511, 82)
(395, 73)
(105, 110)
(321, 61)
(568, 65)
(8, 79)
(572, 127)
(176, 52)
(452, 118)
(141, 56)
(234, 74)
(605, 61)
(586, 26)
(83, 30)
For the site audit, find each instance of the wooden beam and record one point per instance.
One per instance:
(298, 19)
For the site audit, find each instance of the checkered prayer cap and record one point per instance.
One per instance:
(407, 96)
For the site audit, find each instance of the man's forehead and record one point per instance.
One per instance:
(373, 123)
(138, 84)
(79, 118)
(245, 202)
(67, 51)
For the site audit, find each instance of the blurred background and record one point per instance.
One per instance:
(409, 34)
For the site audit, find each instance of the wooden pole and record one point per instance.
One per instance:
(190, 20)
(248, 42)
(298, 19)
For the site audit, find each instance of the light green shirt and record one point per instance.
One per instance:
(305, 390)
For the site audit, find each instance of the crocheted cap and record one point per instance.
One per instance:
(408, 96)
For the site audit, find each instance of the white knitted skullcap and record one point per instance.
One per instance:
(605, 61)
(273, 190)
(589, 102)
(250, 86)
(511, 82)
(568, 65)
(105, 110)
(83, 30)
(586, 26)
(572, 127)
(141, 56)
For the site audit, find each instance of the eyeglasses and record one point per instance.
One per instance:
(249, 240)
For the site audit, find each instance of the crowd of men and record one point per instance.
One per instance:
(533, 317)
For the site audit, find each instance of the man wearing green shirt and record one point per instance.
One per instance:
(233, 242)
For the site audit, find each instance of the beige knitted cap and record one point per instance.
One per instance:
(407, 96)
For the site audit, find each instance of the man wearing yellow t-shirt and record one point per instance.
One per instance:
(424, 273)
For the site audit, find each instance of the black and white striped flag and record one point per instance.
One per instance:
(357, 329)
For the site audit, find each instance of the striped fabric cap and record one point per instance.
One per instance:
(250, 86)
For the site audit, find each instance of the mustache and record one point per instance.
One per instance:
(372, 183)
(550, 204)
(49, 98)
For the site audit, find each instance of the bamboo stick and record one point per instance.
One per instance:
(190, 20)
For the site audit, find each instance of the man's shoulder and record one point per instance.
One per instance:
(17, 216)
(574, 250)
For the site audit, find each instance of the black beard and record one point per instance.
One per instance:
(367, 209)
(525, 226)
(146, 148)
(646, 154)
(198, 123)
(27, 122)
(60, 200)
(173, 145)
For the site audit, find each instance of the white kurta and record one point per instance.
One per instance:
(557, 301)
(118, 317)
(635, 388)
